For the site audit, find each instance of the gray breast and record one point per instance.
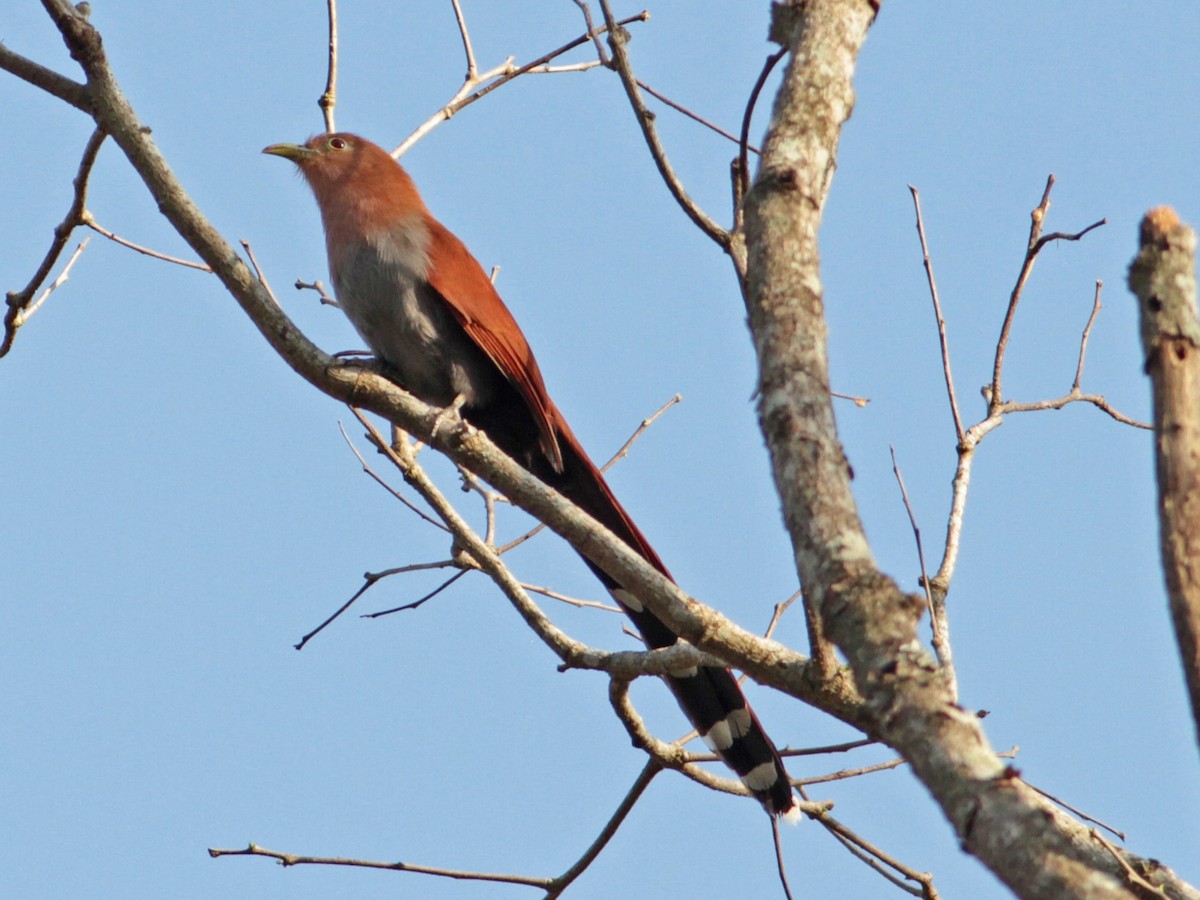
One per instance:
(406, 323)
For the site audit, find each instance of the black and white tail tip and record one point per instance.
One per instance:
(711, 699)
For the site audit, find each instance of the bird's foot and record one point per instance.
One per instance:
(451, 415)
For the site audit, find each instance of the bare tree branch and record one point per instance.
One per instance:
(998, 408)
(70, 92)
(937, 311)
(292, 859)
(328, 99)
(18, 302)
(742, 175)
(1163, 276)
(563, 881)
(862, 611)
(936, 602)
(1036, 242)
(694, 116)
(617, 39)
(472, 69)
(494, 78)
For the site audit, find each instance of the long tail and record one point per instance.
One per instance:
(709, 696)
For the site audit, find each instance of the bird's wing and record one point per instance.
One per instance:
(459, 278)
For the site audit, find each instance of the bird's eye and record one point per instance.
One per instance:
(337, 144)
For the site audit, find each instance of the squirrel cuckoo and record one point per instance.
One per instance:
(426, 308)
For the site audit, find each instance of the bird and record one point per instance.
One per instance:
(429, 312)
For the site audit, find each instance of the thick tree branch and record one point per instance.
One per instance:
(1163, 276)
(71, 92)
(1037, 850)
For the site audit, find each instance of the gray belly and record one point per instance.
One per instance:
(408, 325)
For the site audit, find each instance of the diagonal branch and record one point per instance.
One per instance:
(943, 341)
(617, 38)
(19, 309)
(494, 78)
(563, 881)
(54, 84)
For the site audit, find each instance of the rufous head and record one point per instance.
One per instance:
(332, 157)
(357, 184)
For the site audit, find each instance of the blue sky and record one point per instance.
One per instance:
(179, 508)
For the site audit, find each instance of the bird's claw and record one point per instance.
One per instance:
(451, 415)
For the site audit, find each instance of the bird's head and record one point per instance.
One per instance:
(352, 177)
(330, 159)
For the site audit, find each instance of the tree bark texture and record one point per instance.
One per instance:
(1163, 276)
(1033, 847)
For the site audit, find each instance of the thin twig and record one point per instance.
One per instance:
(780, 609)
(487, 495)
(936, 601)
(1067, 236)
(258, 272)
(541, 61)
(937, 311)
(1076, 811)
(779, 866)
(616, 41)
(827, 748)
(328, 99)
(585, 66)
(621, 453)
(416, 604)
(1074, 396)
(570, 601)
(86, 219)
(379, 480)
(695, 117)
(878, 860)
(601, 53)
(319, 287)
(606, 834)
(637, 432)
(860, 402)
(1035, 244)
(1035, 229)
(292, 859)
(496, 77)
(743, 168)
(370, 579)
(24, 315)
(1132, 876)
(466, 40)
(1087, 331)
(843, 774)
(15, 315)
